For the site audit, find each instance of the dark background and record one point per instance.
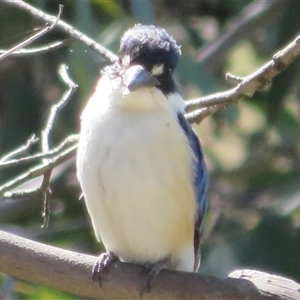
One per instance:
(252, 148)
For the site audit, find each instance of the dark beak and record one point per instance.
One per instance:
(138, 77)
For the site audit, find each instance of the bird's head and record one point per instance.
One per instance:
(148, 57)
(152, 54)
(142, 78)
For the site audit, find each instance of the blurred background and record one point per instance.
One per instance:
(252, 148)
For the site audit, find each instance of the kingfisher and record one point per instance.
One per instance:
(139, 163)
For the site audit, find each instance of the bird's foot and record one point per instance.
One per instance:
(150, 273)
(101, 265)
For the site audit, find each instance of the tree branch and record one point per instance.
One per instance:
(36, 171)
(71, 31)
(247, 86)
(72, 272)
(19, 151)
(35, 158)
(48, 164)
(72, 87)
(272, 285)
(34, 37)
(45, 187)
(204, 106)
(42, 49)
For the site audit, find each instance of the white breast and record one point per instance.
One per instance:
(135, 169)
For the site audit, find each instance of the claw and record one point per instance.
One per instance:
(102, 264)
(150, 273)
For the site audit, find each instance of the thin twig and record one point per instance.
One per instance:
(205, 106)
(45, 187)
(42, 49)
(71, 139)
(47, 163)
(46, 193)
(76, 34)
(34, 37)
(21, 195)
(19, 151)
(58, 106)
(37, 170)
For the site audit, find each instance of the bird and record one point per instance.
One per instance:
(139, 162)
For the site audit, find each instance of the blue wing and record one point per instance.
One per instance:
(200, 184)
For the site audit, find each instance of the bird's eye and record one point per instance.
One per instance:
(157, 70)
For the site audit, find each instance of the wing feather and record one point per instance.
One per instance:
(200, 184)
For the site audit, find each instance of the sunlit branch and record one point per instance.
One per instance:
(203, 107)
(33, 37)
(55, 109)
(71, 272)
(71, 31)
(19, 151)
(37, 171)
(42, 49)
(35, 158)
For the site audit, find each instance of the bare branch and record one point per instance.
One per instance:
(204, 106)
(72, 87)
(76, 34)
(34, 37)
(42, 49)
(248, 85)
(19, 151)
(45, 187)
(72, 272)
(47, 165)
(71, 139)
(32, 193)
(36, 171)
(44, 190)
(272, 285)
(46, 193)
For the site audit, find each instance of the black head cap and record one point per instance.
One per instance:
(149, 46)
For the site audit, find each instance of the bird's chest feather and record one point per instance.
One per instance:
(136, 173)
